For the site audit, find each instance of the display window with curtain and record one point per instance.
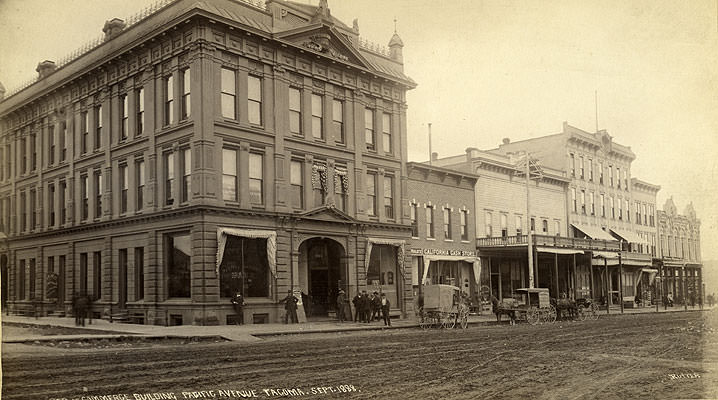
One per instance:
(244, 268)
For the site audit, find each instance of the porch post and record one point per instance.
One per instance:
(535, 265)
(575, 278)
(620, 281)
(590, 277)
(683, 286)
(555, 274)
(606, 286)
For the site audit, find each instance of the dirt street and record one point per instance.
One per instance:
(651, 356)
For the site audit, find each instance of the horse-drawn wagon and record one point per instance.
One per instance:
(443, 306)
(530, 304)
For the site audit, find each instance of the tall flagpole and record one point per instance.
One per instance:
(430, 157)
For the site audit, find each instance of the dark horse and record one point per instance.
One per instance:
(500, 309)
(565, 305)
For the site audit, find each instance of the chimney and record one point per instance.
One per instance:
(434, 156)
(45, 68)
(2, 91)
(506, 140)
(113, 28)
(470, 153)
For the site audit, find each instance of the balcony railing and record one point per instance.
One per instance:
(549, 241)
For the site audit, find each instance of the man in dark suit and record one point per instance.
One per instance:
(357, 307)
(290, 306)
(365, 306)
(238, 304)
(385, 307)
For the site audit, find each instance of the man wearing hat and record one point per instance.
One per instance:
(385, 306)
(342, 304)
(290, 306)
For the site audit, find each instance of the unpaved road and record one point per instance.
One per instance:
(651, 356)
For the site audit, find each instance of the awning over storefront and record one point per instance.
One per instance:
(628, 236)
(558, 251)
(594, 232)
(476, 261)
(399, 244)
(271, 237)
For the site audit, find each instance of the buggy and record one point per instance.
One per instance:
(444, 306)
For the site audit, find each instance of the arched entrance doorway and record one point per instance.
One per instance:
(322, 272)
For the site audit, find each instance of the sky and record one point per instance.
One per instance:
(489, 69)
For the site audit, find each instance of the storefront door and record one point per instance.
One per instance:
(382, 275)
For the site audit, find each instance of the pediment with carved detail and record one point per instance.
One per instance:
(324, 39)
(328, 214)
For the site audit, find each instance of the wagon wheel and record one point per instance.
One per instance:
(594, 312)
(448, 320)
(551, 314)
(464, 318)
(533, 316)
(425, 320)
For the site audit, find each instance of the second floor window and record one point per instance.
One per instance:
(84, 195)
(463, 221)
(296, 179)
(557, 228)
(369, 129)
(256, 178)
(254, 98)
(295, 111)
(573, 200)
(51, 145)
(504, 225)
(338, 120)
(386, 133)
(429, 216)
(85, 134)
(229, 174)
(140, 169)
(169, 169)
(168, 100)
(583, 201)
(603, 206)
(140, 111)
(317, 116)
(186, 96)
(371, 194)
(389, 197)
(544, 226)
(124, 186)
(186, 175)
(98, 194)
(447, 223)
(519, 225)
(124, 118)
(51, 200)
(487, 224)
(414, 220)
(229, 94)
(98, 127)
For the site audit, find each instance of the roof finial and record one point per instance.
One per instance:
(395, 24)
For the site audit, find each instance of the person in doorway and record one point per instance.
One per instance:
(238, 305)
(357, 306)
(385, 307)
(290, 307)
(341, 301)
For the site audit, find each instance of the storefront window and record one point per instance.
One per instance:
(244, 268)
(177, 264)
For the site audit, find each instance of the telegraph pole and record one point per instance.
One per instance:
(528, 222)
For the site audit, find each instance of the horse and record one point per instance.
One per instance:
(565, 304)
(499, 309)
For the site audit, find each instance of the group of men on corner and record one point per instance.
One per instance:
(367, 307)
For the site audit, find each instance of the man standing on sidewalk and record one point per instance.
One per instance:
(290, 307)
(385, 306)
(238, 305)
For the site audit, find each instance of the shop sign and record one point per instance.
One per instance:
(442, 252)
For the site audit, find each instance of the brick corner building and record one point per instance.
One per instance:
(202, 149)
